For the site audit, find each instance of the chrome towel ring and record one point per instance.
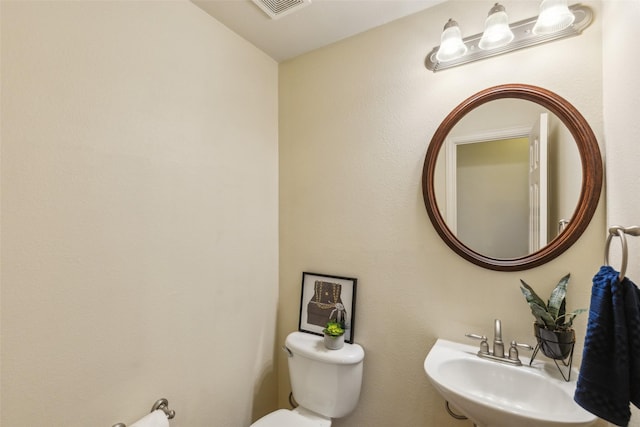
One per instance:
(620, 231)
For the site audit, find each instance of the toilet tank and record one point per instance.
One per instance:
(324, 381)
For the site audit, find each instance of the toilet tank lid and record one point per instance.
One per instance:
(312, 347)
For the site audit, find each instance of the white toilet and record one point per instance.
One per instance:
(325, 383)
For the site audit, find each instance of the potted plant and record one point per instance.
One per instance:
(334, 335)
(553, 327)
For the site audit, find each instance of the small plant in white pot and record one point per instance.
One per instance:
(553, 327)
(334, 335)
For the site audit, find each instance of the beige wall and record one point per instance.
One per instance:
(139, 216)
(355, 122)
(622, 130)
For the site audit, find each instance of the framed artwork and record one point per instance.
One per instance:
(325, 298)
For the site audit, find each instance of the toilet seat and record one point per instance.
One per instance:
(295, 418)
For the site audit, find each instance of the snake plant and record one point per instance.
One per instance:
(551, 315)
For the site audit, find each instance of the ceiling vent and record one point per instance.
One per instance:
(279, 8)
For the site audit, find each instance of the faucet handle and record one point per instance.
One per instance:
(513, 350)
(476, 337)
(484, 345)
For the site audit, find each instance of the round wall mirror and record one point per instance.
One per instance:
(512, 177)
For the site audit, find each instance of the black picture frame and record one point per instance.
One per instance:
(318, 298)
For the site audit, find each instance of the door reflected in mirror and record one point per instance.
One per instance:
(508, 174)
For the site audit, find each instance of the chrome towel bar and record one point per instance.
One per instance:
(162, 404)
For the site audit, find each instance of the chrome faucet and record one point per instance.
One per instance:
(498, 345)
(498, 353)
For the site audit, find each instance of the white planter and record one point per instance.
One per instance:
(333, 343)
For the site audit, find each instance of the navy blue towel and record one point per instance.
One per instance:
(610, 371)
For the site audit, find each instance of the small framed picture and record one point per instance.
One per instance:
(327, 298)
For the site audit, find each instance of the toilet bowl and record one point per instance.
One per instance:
(325, 383)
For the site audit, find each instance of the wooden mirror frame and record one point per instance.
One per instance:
(591, 175)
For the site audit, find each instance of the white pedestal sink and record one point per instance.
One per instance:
(493, 394)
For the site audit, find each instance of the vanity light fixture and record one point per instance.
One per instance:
(526, 33)
(496, 29)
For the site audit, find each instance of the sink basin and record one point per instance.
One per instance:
(493, 394)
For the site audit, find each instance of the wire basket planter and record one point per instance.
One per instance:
(557, 345)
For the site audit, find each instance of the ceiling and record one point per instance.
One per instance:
(310, 26)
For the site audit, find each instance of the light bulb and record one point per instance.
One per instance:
(451, 44)
(496, 29)
(554, 16)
